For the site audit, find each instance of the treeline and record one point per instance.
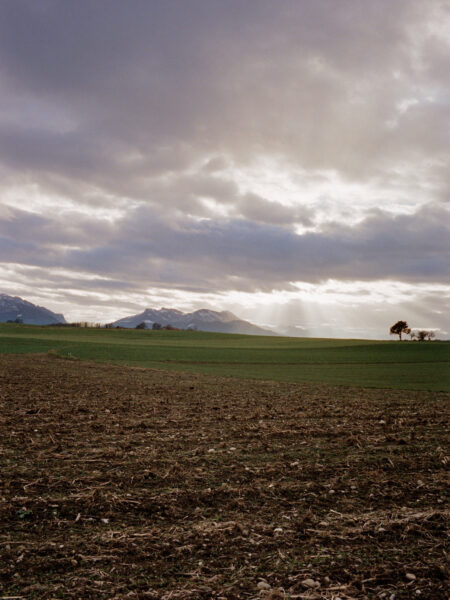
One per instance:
(86, 324)
(159, 327)
(90, 325)
(421, 335)
(19, 321)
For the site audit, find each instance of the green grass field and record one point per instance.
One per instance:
(360, 363)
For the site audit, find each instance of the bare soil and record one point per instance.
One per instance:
(119, 482)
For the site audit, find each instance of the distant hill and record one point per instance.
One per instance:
(13, 308)
(203, 320)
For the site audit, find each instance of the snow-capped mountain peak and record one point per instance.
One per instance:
(14, 308)
(203, 319)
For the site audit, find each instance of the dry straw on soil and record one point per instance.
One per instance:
(127, 483)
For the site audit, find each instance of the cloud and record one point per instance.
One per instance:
(317, 85)
(258, 209)
(217, 255)
(222, 146)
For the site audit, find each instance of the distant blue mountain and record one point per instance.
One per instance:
(202, 320)
(13, 308)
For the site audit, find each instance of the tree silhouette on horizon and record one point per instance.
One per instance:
(399, 328)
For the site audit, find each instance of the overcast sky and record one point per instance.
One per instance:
(284, 159)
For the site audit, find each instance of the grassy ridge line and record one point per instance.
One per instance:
(212, 347)
(187, 354)
(344, 362)
(194, 338)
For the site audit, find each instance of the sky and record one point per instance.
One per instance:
(286, 160)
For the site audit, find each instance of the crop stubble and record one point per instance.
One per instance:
(130, 483)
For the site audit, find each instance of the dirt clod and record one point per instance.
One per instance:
(109, 491)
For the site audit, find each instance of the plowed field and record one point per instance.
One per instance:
(120, 482)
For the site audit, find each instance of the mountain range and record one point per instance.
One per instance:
(13, 308)
(203, 320)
